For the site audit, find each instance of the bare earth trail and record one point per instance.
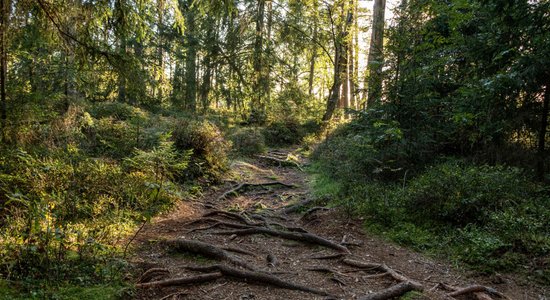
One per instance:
(245, 240)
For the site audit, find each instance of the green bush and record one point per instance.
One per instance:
(369, 148)
(282, 133)
(248, 141)
(209, 148)
(460, 194)
(116, 110)
(65, 213)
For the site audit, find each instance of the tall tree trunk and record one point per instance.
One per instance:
(160, 51)
(339, 65)
(334, 94)
(267, 79)
(355, 55)
(210, 54)
(257, 110)
(4, 15)
(376, 53)
(191, 61)
(312, 59)
(541, 153)
(120, 31)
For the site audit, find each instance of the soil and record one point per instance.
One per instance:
(292, 260)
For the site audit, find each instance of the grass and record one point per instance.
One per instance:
(9, 291)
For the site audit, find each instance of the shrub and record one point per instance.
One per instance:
(209, 147)
(116, 110)
(369, 148)
(248, 141)
(460, 194)
(280, 133)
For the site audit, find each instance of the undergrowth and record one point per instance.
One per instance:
(74, 190)
(491, 218)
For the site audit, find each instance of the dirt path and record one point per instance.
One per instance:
(264, 246)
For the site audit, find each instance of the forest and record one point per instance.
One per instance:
(270, 149)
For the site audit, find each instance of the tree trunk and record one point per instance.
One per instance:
(355, 55)
(4, 15)
(541, 153)
(160, 52)
(257, 110)
(190, 62)
(313, 54)
(376, 53)
(120, 32)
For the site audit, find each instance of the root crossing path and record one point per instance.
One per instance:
(261, 236)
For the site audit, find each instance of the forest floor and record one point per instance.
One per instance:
(257, 245)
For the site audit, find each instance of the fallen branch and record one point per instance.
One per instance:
(207, 250)
(182, 280)
(258, 277)
(296, 236)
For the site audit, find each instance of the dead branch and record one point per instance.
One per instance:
(207, 250)
(258, 277)
(393, 291)
(182, 280)
(296, 236)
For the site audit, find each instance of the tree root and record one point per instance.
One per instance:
(280, 162)
(405, 284)
(182, 280)
(207, 250)
(153, 273)
(238, 250)
(393, 291)
(296, 236)
(263, 278)
(326, 270)
(297, 206)
(244, 185)
(480, 292)
(477, 289)
(331, 256)
(307, 215)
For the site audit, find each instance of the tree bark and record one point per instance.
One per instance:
(376, 54)
(4, 15)
(541, 153)
(257, 109)
(190, 61)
